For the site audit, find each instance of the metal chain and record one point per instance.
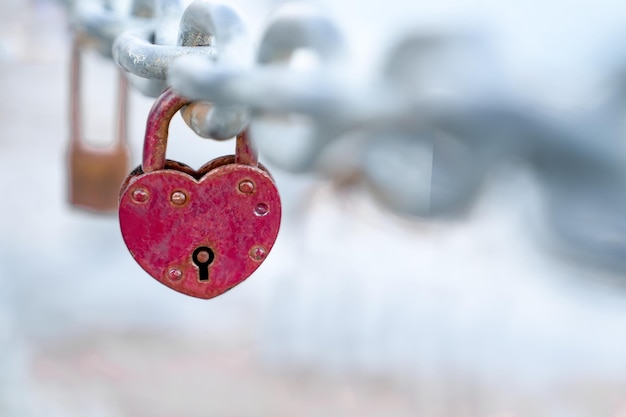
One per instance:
(438, 147)
(204, 24)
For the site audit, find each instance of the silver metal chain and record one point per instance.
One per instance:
(422, 140)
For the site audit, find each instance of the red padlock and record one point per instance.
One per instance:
(198, 232)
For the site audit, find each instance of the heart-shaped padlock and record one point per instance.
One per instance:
(198, 232)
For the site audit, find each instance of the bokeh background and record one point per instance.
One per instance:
(359, 310)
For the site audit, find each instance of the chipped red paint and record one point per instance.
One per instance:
(162, 235)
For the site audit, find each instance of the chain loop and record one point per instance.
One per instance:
(203, 24)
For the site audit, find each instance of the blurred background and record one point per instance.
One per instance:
(453, 240)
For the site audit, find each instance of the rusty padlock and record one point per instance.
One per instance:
(95, 173)
(198, 232)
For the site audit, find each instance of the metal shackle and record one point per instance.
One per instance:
(157, 129)
(157, 132)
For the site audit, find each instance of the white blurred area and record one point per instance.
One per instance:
(357, 311)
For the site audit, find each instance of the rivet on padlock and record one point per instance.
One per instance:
(198, 232)
(95, 173)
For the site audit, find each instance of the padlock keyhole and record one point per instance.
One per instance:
(203, 257)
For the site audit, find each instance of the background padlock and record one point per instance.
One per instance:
(95, 173)
(198, 232)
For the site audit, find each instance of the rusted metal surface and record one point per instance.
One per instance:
(198, 232)
(246, 153)
(95, 173)
(157, 128)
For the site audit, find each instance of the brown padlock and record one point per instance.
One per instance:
(95, 173)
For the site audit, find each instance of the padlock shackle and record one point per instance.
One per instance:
(245, 153)
(76, 137)
(157, 131)
(75, 114)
